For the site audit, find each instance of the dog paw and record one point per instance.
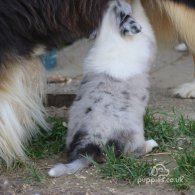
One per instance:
(181, 47)
(127, 24)
(149, 145)
(186, 90)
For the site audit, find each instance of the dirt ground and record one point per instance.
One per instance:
(86, 182)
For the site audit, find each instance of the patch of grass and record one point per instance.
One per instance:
(34, 173)
(186, 126)
(176, 137)
(124, 168)
(185, 168)
(44, 145)
(163, 132)
(48, 142)
(171, 136)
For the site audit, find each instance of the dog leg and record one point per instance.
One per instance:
(21, 108)
(186, 90)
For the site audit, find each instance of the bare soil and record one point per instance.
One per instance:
(86, 182)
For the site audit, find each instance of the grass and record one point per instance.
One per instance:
(176, 138)
(185, 168)
(34, 173)
(171, 136)
(48, 142)
(124, 168)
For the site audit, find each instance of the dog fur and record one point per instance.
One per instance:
(27, 29)
(170, 19)
(113, 94)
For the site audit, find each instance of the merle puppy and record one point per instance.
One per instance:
(113, 94)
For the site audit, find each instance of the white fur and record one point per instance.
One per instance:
(150, 144)
(181, 47)
(21, 94)
(186, 90)
(105, 57)
(39, 50)
(61, 169)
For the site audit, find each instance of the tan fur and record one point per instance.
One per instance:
(175, 18)
(21, 94)
(161, 22)
(182, 19)
(172, 20)
(194, 63)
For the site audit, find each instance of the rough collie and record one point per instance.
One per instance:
(27, 29)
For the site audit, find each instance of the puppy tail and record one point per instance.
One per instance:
(70, 168)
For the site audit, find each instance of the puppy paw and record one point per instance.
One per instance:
(186, 90)
(127, 24)
(149, 145)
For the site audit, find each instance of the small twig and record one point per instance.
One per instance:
(157, 154)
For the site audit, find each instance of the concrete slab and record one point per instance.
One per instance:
(170, 70)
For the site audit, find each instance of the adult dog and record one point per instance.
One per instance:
(28, 28)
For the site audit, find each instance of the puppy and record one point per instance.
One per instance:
(113, 94)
